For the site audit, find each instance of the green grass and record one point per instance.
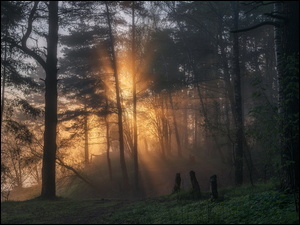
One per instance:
(246, 204)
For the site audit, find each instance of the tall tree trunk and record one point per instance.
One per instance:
(169, 137)
(37, 174)
(287, 59)
(49, 156)
(118, 99)
(146, 145)
(3, 83)
(50, 67)
(108, 147)
(244, 80)
(16, 168)
(159, 123)
(107, 134)
(20, 177)
(206, 120)
(165, 127)
(195, 132)
(179, 150)
(238, 148)
(224, 60)
(135, 136)
(86, 137)
(185, 142)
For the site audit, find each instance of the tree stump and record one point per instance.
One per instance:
(177, 183)
(213, 187)
(195, 185)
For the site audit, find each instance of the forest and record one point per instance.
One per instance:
(114, 103)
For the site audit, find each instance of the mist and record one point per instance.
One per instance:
(111, 100)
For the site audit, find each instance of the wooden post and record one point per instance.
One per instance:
(196, 188)
(213, 187)
(177, 183)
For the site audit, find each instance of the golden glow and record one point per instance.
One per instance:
(73, 153)
(149, 119)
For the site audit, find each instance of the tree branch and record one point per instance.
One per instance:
(256, 26)
(256, 5)
(275, 16)
(61, 163)
(24, 39)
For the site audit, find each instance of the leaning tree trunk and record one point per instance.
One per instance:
(49, 156)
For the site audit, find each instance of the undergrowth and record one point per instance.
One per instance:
(260, 204)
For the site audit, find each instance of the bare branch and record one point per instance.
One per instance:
(61, 163)
(256, 5)
(256, 26)
(275, 16)
(29, 26)
(24, 39)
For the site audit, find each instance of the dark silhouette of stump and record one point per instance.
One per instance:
(195, 185)
(213, 187)
(177, 183)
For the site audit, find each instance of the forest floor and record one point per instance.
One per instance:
(249, 205)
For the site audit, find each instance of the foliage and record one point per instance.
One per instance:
(20, 131)
(186, 50)
(267, 207)
(9, 8)
(29, 109)
(262, 130)
(290, 84)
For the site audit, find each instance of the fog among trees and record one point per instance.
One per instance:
(112, 99)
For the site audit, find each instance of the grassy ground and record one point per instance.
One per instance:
(247, 204)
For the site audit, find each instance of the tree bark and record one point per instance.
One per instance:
(118, 99)
(213, 187)
(238, 147)
(50, 67)
(177, 184)
(185, 141)
(107, 138)
(49, 156)
(179, 150)
(107, 148)
(195, 185)
(135, 136)
(3, 83)
(86, 137)
(287, 50)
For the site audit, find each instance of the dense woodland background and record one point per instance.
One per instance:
(113, 98)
